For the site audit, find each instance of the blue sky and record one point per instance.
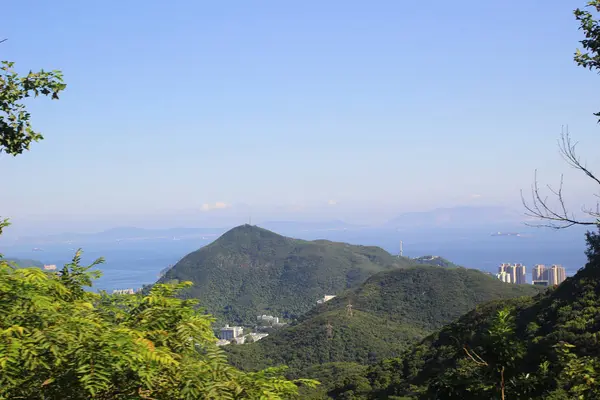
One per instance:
(367, 108)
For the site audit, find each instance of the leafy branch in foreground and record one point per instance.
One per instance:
(16, 132)
(59, 341)
(589, 23)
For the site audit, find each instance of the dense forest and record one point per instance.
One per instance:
(389, 312)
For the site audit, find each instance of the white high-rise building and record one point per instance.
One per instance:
(520, 274)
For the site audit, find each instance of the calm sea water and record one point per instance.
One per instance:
(135, 264)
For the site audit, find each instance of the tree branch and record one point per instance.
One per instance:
(559, 217)
(475, 357)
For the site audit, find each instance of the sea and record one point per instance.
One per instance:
(133, 264)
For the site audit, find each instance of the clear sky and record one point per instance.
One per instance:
(363, 106)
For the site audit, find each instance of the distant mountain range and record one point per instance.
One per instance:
(458, 216)
(491, 219)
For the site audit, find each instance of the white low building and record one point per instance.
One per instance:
(257, 336)
(325, 299)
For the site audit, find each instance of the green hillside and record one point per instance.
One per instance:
(546, 347)
(24, 263)
(250, 271)
(426, 297)
(389, 311)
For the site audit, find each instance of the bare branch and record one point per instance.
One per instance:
(559, 217)
(567, 151)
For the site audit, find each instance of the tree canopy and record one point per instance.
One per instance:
(58, 340)
(16, 132)
(590, 56)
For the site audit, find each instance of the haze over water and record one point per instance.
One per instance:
(131, 265)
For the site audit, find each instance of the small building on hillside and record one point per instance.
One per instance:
(257, 336)
(325, 299)
(231, 332)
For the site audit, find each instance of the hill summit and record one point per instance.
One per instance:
(251, 271)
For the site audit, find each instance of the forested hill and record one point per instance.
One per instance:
(390, 311)
(250, 271)
(24, 263)
(546, 347)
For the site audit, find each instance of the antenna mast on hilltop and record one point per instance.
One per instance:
(401, 252)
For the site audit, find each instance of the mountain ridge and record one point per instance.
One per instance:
(250, 271)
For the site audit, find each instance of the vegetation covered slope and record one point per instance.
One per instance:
(426, 296)
(250, 271)
(547, 347)
(389, 311)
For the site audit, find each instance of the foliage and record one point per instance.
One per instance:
(16, 133)
(251, 271)
(434, 260)
(60, 341)
(345, 380)
(590, 25)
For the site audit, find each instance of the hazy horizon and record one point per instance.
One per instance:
(239, 215)
(298, 111)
